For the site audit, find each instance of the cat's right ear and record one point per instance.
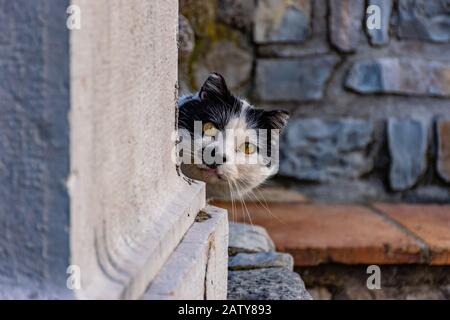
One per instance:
(214, 87)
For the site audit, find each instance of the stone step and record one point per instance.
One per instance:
(256, 271)
(248, 238)
(247, 261)
(197, 269)
(266, 284)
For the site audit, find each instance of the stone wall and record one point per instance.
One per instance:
(370, 107)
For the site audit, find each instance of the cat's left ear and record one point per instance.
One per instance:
(214, 87)
(275, 119)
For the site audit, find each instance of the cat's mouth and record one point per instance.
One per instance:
(212, 172)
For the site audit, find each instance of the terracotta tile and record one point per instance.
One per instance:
(318, 233)
(274, 194)
(430, 222)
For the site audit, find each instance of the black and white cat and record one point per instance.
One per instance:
(225, 141)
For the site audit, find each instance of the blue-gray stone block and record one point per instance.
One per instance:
(405, 76)
(293, 80)
(408, 142)
(380, 36)
(282, 21)
(424, 20)
(325, 150)
(345, 21)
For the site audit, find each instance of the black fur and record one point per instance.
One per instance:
(214, 103)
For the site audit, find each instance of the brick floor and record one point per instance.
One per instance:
(354, 234)
(431, 223)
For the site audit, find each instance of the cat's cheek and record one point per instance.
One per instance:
(241, 159)
(267, 172)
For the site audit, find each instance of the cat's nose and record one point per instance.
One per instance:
(212, 165)
(215, 164)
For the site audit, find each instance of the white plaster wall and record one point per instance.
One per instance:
(129, 207)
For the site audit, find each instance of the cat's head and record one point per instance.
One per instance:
(225, 141)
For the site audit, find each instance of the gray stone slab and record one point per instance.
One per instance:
(248, 238)
(186, 36)
(282, 21)
(266, 284)
(345, 20)
(233, 62)
(400, 76)
(260, 260)
(424, 20)
(408, 141)
(236, 13)
(293, 80)
(428, 194)
(319, 150)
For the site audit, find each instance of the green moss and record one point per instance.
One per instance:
(196, 54)
(215, 32)
(202, 16)
(199, 13)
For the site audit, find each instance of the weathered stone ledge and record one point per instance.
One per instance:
(197, 269)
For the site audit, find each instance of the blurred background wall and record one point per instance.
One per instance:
(370, 107)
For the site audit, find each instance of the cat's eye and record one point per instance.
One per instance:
(209, 129)
(247, 148)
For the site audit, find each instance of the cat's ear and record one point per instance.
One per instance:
(214, 87)
(275, 119)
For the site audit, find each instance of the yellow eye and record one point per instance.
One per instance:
(247, 148)
(209, 129)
